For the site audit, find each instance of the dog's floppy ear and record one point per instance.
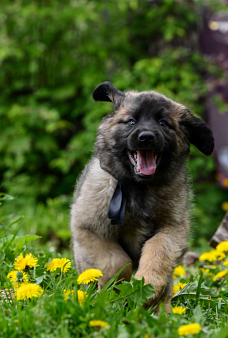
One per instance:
(107, 92)
(197, 132)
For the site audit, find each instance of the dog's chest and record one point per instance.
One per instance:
(140, 223)
(132, 236)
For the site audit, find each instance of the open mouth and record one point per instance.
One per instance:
(145, 161)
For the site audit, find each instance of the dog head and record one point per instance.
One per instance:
(147, 136)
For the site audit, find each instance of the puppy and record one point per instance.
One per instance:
(131, 204)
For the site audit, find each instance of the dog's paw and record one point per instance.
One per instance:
(150, 303)
(161, 291)
(141, 274)
(158, 283)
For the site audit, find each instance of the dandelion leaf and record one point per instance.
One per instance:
(135, 293)
(191, 290)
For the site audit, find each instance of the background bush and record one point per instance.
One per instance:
(53, 54)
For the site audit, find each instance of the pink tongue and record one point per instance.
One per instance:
(146, 162)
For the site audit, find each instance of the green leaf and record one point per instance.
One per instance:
(113, 280)
(39, 280)
(198, 315)
(223, 333)
(18, 241)
(134, 292)
(190, 290)
(5, 197)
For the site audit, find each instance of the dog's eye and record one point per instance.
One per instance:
(132, 122)
(162, 123)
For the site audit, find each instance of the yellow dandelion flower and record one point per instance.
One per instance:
(29, 261)
(220, 275)
(222, 247)
(67, 294)
(29, 290)
(179, 271)
(81, 295)
(89, 275)
(20, 263)
(206, 271)
(13, 276)
(225, 263)
(53, 265)
(177, 287)
(99, 323)
(193, 328)
(213, 267)
(220, 255)
(179, 310)
(62, 263)
(212, 256)
(224, 206)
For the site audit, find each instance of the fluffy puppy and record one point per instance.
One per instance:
(131, 203)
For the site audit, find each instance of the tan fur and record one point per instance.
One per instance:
(95, 241)
(156, 225)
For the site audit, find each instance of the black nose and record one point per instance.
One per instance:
(146, 136)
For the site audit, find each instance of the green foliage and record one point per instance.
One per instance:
(119, 305)
(49, 222)
(219, 103)
(54, 53)
(121, 311)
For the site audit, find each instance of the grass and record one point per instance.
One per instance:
(52, 315)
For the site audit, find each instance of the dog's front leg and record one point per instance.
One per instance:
(160, 255)
(91, 251)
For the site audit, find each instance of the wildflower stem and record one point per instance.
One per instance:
(199, 287)
(34, 273)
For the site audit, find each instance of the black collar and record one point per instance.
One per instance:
(118, 202)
